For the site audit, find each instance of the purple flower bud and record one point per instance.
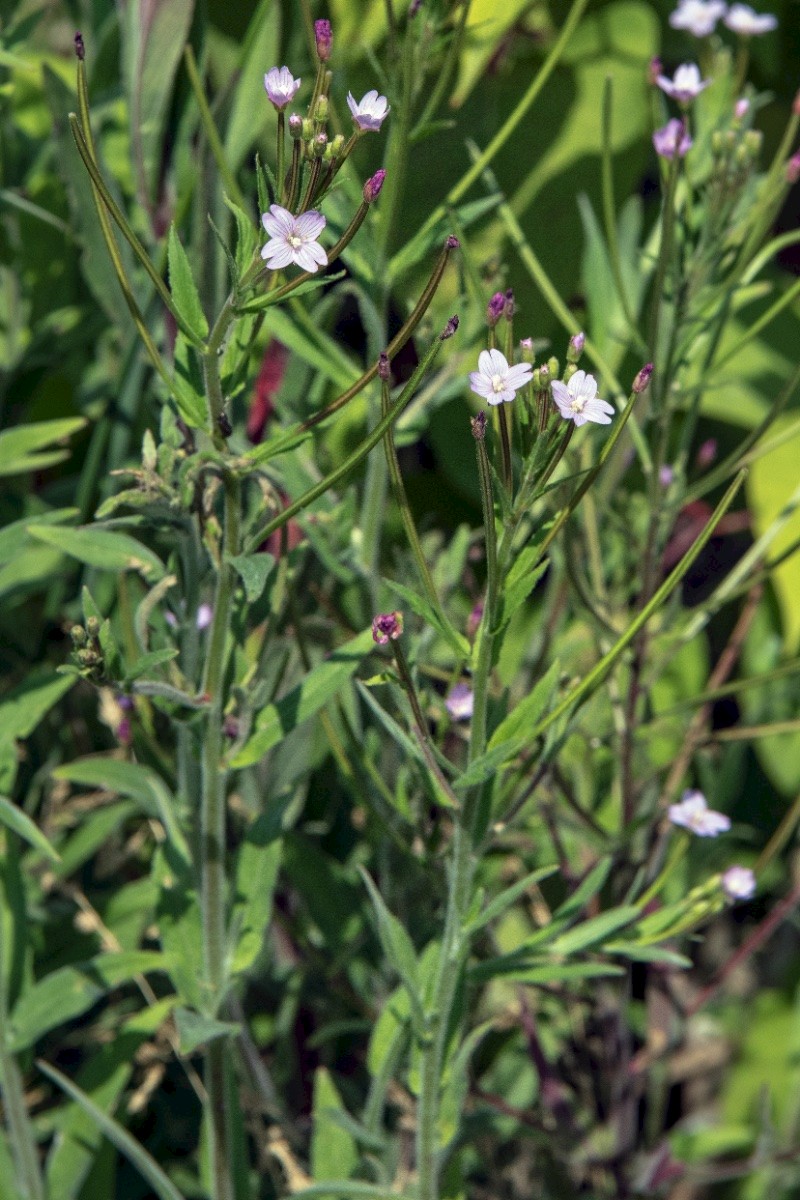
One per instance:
(741, 108)
(665, 475)
(452, 242)
(793, 168)
(575, 347)
(123, 731)
(295, 126)
(526, 349)
(80, 49)
(384, 366)
(324, 39)
(495, 308)
(372, 188)
(386, 627)
(449, 329)
(230, 726)
(642, 379)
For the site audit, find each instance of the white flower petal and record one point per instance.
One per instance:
(480, 383)
(310, 225)
(517, 376)
(278, 254)
(497, 362)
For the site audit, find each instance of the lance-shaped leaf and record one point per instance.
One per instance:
(183, 287)
(103, 548)
(23, 449)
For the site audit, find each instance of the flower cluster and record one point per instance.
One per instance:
(293, 222)
(693, 813)
(699, 17)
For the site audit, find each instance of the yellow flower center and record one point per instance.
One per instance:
(498, 384)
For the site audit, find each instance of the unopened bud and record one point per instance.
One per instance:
(92, 626)
(80, 49)
(384, 366)
(665, 475)
(541, 378)
(295, 126)
(553, 367)
(526, 349)
(321, 109)
(509, 307)
(575, 348)
(387, 627)
(752, 140)
(569, 371)
(78, 635)
(495, 308)
(372, 188)
(324, 39)
(319, 145)
(741, 108)
(793, 169)
(642, 379)
(452, 242)
(308, 129)
(449, 329)
(478, 425)
(337, 145)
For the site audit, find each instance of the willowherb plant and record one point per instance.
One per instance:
(432, 796)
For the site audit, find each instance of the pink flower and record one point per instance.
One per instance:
(694, 814)
(281, 86)
(739, 883)
(293, 239)
(672, 139)
(495, 380)
(460, 702)
(686, 84)
(698, 16)
(742, 19)
(578, 400)
(370, 112)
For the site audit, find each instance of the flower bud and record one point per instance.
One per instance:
(324, 39)
(553, 367)
(452, 242)
(78, 635)
(752, 140)
(308, 129)
(509, 307)
(741, 108)
(569, 371)
(337, 145)
(319, 145)
(495, 308)
(526, 349)
(449, 329)
(92, 627)
(665, 475)
(575, 348)
(384, 366)
(793, 169)
(321, 110)
(642, 379)
(372, 188)
(295, 126)
(541, 378)
(478, 426)
(387, 627)
(707, 453)
(80, 49)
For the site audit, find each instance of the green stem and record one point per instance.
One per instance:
(664, 253)
(23, 1141)
(352, 460)
(210, 130)
(280, 152)
(483, 654)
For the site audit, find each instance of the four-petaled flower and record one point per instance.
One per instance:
(694, 814)
(281, 86)
(742, 19)
(293, 239)
(371, 110)
(460, 702)
(685, 85)
(698, 16)
(495, 380)
(672, 139)
(578, 400)
(739, 883)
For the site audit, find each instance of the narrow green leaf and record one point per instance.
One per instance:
(333, 1151)
(591, 885)
(103, 548)
(196, 1030)
(523, 716)
(595, 930)
(457, 642)
(18, 821)
(68, 992)
(508, 897)
(397, 945)
(19, 447)
(257, 866)
(183, 287)
(147, 1167)
(304, 701)
(654, 954)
